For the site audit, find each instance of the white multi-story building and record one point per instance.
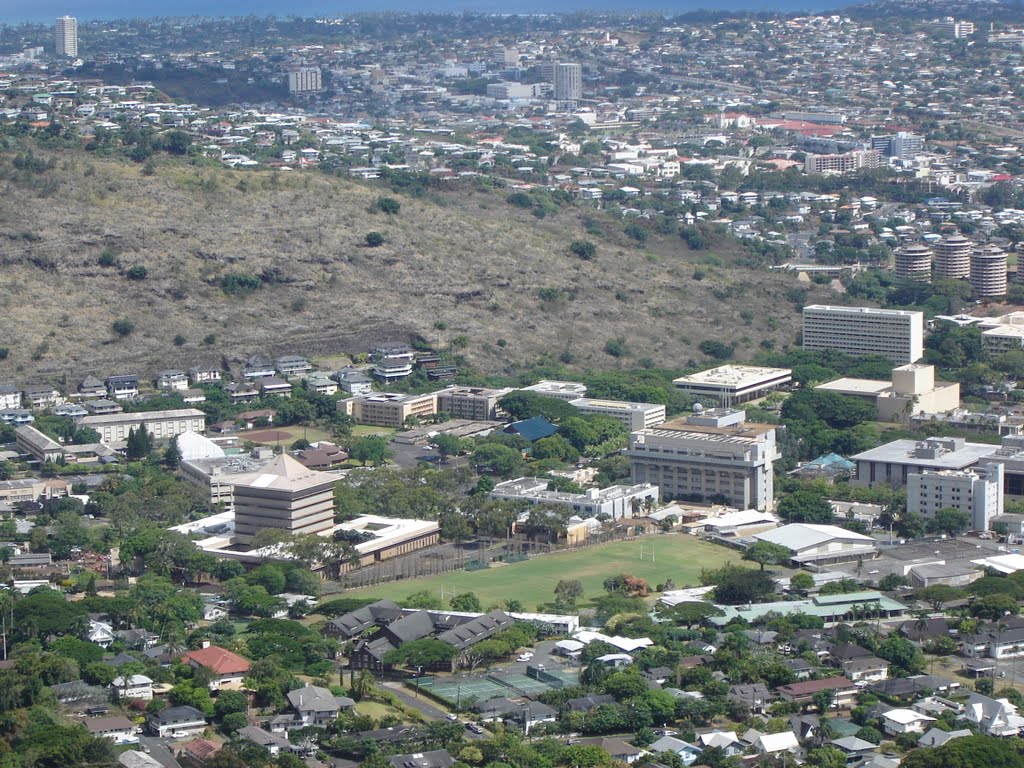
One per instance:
(304, 80)
(710, 455)
(977, 491)
(615, 501)
(894, 463)
(160, 424)
(732, 384)
(913, 262)
(893, 333)
(988, 271)
(845, 162)
(953, 257)
(632, 415)
(568, 81)
(65, 31)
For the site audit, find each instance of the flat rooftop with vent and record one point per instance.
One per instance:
(731, 384)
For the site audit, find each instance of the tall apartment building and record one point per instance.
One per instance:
(892, 333)
(284, 495)
(473, 403)
(568, 81)
(953, 257)
(304, 80)
(714, 455)
(632, 415)
(903, 145)
(977, 491)
(65, 32)
(913, 262)
(988, 271)
(846, 162)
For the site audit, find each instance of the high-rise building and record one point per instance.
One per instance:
(304, 80)
(988, 271)
(66, 33)
(893, 333)
(506, 57)
(846, 162)
(977, 491)
(953, 258)
(914, 262)
(568, 82)
(714, 454)
(284, 495)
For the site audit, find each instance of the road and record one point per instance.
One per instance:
(157, 749)
(425, 707)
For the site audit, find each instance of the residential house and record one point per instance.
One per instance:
(755, 696)
(865, 669)
(226, 669)
(800, 668)
(321, 384)
(856, 750)
(100, 633)
(177, 722)
(172, 379)
(272, 386)
(204, 374)
(117, 728)
(132, 687)
(274, 743)
(686, 752)
(213, 612)
(198, 751)
(316, 706)
(71, 410)
(438, 758)
(936, 737)
(527, 713)
(772, 743)
(10, 397)
(258, 368)
(898, 721)
(617, 748)
(353, 381)
(241, 392)
(37, 396)
(91, 387)
(727, 741)
(803, 692)
(137, 639)
(134, 759)
(993, 717)
(587, 703)
(292, 365)
(122, 386)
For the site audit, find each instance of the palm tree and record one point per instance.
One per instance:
(364, 684)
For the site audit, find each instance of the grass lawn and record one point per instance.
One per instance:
(376, 709)
(677, 556)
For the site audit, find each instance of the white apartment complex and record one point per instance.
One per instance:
(732, 384)
(304, 80)
(710, 455)
(65, 32)
(977, 491)
(632, 415)
(892, 333)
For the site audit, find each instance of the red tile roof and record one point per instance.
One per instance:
(218, 660)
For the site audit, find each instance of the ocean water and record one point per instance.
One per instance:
(15, 11)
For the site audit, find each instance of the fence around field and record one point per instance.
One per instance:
(460, 692)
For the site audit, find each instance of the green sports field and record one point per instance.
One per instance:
(679, 557)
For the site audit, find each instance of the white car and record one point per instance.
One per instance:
(452, 716)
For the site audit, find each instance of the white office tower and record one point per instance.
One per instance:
(953, 258)
(304, 80)
(893, 333)
(914, 262)
(988, 271)
(568, 82)
(66, 33)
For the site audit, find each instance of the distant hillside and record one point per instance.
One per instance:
(462, 268)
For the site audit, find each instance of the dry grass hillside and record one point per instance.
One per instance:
(462, 266)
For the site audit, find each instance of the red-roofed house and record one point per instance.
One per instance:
(198, 751)
(224, 667)
(803, 692)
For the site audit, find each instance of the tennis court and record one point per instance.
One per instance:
(527, 686)
(462, 691)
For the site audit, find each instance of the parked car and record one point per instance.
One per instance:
(473, 727)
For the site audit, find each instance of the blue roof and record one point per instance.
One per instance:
(532, 429)
(832, 461)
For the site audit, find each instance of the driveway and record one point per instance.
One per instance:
(159, 751)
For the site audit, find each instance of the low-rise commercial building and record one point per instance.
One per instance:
(563, 390)
(820, 544)
(913, 391)
(390, 536)
(161, 425)
(473, 403)
(632, 415)
(387, 409)
(614, 502)
(733, 384)
(708, 456)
